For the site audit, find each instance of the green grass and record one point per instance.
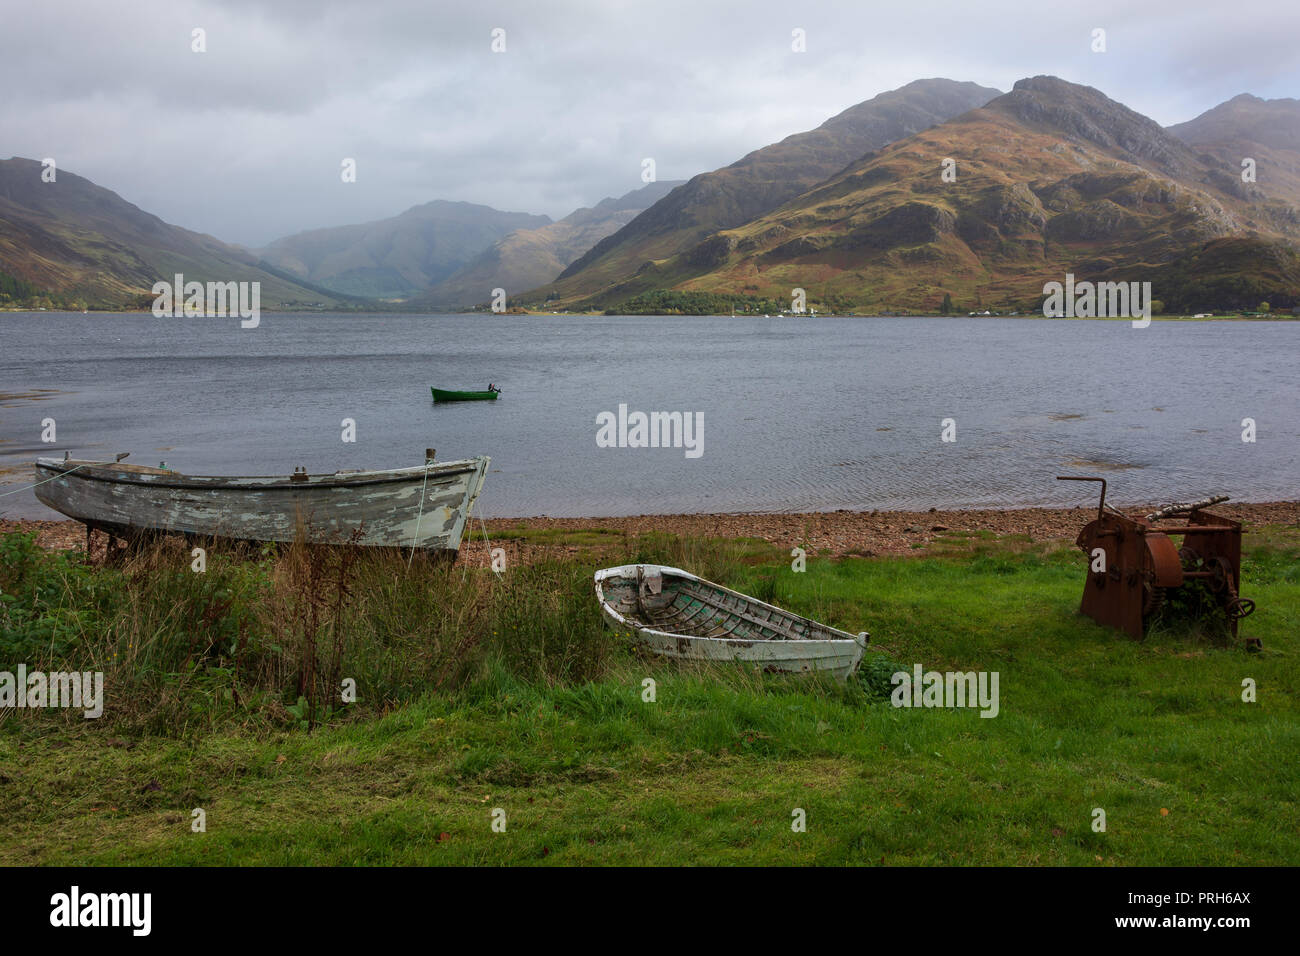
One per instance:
(540, 713)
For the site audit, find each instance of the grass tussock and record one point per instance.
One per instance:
(268, 638)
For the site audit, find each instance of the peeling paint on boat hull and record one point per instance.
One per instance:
(686, 617)
(381, 508)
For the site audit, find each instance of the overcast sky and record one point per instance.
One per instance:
(245, 141)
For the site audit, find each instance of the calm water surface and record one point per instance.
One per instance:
(799, 415)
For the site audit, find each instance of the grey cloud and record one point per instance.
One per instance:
(245, 141)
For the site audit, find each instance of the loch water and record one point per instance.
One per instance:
(798, 414)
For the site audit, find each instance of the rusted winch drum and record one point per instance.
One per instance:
(1134, 563)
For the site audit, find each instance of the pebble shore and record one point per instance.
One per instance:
(830, 533)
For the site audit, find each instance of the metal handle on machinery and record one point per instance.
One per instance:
(1101, 505)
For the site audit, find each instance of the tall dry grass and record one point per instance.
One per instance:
(272, 637)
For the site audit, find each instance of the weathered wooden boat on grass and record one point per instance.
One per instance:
(674, 613)
(443, 395)
(424, 507)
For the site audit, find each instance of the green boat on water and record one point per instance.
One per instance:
(443, 395)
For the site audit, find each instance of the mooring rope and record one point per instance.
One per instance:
(44, 480)
(488, 541)
(415, 540)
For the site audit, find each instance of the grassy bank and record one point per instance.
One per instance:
(478, 693)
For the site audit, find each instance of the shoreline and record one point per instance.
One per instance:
(547, 313)
(820, 533)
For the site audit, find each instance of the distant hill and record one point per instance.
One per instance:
(1051, 178)
(530, 257)
(764, 179)
(1245, 118)
(1267, 131)
(71, 243)
(399, 256)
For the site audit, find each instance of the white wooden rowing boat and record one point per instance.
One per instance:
(424, 507)
(674, 613)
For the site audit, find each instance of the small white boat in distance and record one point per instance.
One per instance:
(674, 613)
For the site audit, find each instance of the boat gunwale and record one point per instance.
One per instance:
(605, 573)
(272, 482)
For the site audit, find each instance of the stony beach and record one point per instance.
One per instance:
(831, 533)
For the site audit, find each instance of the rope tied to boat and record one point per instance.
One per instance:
(487, 541)
(415, 539)
(44, 480)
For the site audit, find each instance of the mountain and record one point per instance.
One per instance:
(1267, 131)
(764, 179)
(531, 257)
(72, 243)
(1248, 119)
(1051, 178)
(398, 256)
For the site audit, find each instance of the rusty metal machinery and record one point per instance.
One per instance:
(1134, 565)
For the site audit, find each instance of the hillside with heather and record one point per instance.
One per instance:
(72, 244)
(1048, 179)
(764, 179)
(938, 196)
